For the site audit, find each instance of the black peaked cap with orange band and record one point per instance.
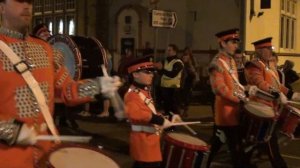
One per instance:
(141, 63)
(263, 43)
(231, 34)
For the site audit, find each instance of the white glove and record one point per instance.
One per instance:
(109, 85)
(176, 118)
(166, 124)
(221, 135)
(283, 99)
(296, 96)
(27, 136)
(252, 89)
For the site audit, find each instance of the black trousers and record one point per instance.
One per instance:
(170, 100)
(138, 164)
(234, 143)
(272, 149)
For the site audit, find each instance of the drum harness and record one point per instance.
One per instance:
(23, 68)
(144, 128)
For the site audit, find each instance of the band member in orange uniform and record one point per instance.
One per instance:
(262, 73)
(145, 121)
(21, 117)
(229, 94)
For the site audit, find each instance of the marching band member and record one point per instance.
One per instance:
(25, 114)
(146, 123)
(229, 94)
(262, 73)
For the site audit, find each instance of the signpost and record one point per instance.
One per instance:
(161, 18)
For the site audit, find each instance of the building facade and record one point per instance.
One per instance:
(121, 24)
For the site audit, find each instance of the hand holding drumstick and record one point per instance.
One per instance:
(177, 118)
(115, 98)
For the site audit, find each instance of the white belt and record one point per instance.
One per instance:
(143, 128)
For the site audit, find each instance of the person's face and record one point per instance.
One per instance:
(230, 46)
(170, 51)
(185, 58)
(144, 77)
(265, 54)
(16, 14)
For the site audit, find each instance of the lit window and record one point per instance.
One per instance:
(71, 27)
(50, 26)
(61, 27)
(55, 14)
(288, 26)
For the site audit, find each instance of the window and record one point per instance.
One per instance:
(288, 24)
(59, 15)
(38, 6)
(48, 6)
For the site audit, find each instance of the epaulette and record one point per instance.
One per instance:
(214, 64)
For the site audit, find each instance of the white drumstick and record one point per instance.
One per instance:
(187, 127)
(293, 102)
(69, 138)
(185, 123)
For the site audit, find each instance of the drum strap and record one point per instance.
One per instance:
(23, 68)
(231, 74)
(272, 73)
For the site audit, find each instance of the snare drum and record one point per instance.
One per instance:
(257, 122)
(290, 117)
(83, 56)
(184, 151)
(77, 156)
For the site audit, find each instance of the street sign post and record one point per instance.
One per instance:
(161, 18)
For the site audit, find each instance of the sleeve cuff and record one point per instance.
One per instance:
(156, 119)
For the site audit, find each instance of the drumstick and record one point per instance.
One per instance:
(293, 102)
(116, 100)
(187, 127)
(185, 123)
(69, 138)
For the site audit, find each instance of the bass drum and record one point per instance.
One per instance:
(83, 56)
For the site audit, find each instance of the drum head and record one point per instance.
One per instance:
(71, 53)
(83, 56)
(187, 141)
(259, 109)
(78, 157)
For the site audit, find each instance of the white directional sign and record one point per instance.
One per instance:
(162, 18)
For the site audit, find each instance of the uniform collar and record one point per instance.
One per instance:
(12, 33)
(140, 86)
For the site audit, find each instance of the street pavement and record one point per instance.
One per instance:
(112, 137)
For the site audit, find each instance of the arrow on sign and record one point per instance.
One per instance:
(174, 20)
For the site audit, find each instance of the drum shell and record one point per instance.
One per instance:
(257, 128)
(289, 120)
(177, 153)
(83, 56)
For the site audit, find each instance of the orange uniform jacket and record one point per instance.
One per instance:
(17, 101)
(265, 78)
(144, 147)
(226, 103)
